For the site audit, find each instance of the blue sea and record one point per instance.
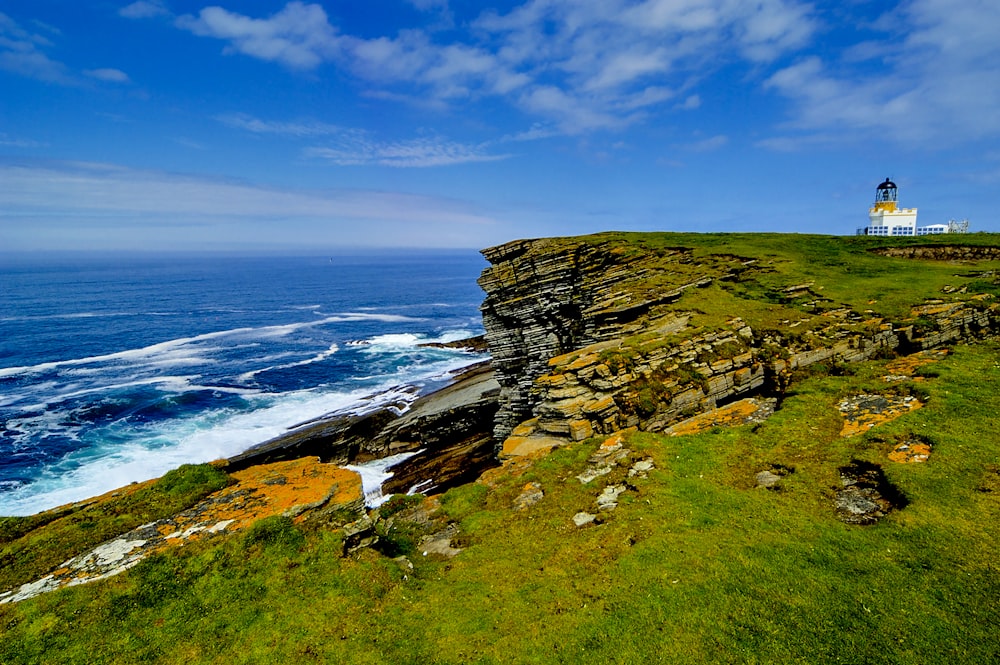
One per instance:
(118, 368)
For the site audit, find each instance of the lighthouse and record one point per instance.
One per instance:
(886, 218)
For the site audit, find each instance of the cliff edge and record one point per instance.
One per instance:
(593, 334)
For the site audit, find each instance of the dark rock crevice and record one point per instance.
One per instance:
(866, 495)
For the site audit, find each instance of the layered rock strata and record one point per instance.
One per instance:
(942, 252)
(545, 298)
(563, 318)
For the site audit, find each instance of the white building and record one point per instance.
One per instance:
(886, 218)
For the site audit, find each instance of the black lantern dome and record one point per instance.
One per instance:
(885, 192)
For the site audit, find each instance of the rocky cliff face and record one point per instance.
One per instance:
(545, 298)
(593, 335)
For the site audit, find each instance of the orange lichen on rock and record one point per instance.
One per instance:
(932, 308)
(292, 488)
(616, 440)
(910, 452)
(908, 365)
(863, 412)
(288, 488)
(738, 413)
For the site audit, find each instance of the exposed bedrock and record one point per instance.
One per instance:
(452, 427)
(942, 252)
(547, 297)
(589, 336)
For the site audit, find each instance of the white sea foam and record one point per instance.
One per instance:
(319, 357)
(159, 351)
(375, 473)
(406, 341)
(151, 451)
(381, 343)
(45, 396)
(174, 349)
(177, 384)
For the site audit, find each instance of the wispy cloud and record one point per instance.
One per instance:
(536, 132)
(21, 52)
(414, 153)
(690, 103)
(345, 146)
(932, 80)
(303, 129)
(580, 66)
(709, 144)
(78, 199)
(188, 143)
(429, 5)
(144, 9)
(107, 74)
(15, 142)
(592, 63)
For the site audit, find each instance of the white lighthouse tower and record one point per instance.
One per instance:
(886, 218)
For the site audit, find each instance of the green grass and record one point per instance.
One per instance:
(841, 269)
(695, 566)
(31, 547)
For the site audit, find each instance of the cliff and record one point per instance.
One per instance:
(595, 334)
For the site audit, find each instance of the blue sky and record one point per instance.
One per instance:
(291, 126)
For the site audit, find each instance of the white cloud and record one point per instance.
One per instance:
(581, 66)
(299, 36)
(429, 5)
(690, 103)
(708, 145)
(624, 68)
(414, 153)
(352, 147)
(769, 28)
(535, 133)
(109, 75)
(14, 142)
(934, 80)
(21, 52)
(188, 143)
(303, 129)
(144, 9)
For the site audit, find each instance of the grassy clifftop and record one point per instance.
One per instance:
(701, 560)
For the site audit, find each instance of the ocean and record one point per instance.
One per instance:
(118, 368)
